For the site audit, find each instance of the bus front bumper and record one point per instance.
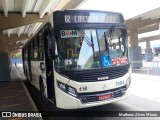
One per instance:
(66, 101)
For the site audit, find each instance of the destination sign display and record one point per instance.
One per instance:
(93, 17)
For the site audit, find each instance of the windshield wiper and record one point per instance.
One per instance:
(124, 45)
(111, 32)
(87, 40)
(119, 42)
(92, 45)
(106, 43)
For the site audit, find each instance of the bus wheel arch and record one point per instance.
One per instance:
(26, 75)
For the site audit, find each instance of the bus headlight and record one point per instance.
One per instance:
(67, 89)
(128, 82)
(72, 91)
(62, 86)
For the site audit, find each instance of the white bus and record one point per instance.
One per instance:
(81, 61)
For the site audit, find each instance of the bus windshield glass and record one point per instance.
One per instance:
(91, 49)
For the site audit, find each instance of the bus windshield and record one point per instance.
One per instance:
(91, 48)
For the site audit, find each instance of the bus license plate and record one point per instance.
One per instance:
(105, 97)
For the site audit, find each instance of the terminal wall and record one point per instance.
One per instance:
(4, 67)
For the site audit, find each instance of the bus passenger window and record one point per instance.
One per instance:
(41, 47)
(35, 49)
(32, 50)
(25, 53)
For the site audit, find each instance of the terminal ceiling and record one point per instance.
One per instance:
(146, 22)
(20, 19)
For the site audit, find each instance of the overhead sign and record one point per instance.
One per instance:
(71, 33)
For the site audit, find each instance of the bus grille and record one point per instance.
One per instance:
(93, 97)
(94, 74)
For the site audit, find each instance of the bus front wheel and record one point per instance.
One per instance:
(42, 90)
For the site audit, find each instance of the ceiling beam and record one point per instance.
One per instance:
(156, 17)
(14, 38)
(71, 4)
(14, 48)
(20, 30)
(67, 4)
(151, 38)
(60, 5)
(35, 27)
(138, 23)
(15, 44)
(46, 6)
(151, 14)
(145, 14)
(9, 32)
(148, 28)
(26, 29)
(24, 7)
(15, 20)
(5, 8)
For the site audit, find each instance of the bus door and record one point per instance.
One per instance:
(49, 64)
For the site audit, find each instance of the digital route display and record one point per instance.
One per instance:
(69, 16)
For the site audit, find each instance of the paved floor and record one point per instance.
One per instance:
(14, 95)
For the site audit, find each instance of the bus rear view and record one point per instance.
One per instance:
(91, 65)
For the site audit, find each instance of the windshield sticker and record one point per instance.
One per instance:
(122, 60)
(68, 62)
(106, 61)
(71, 33)
(83, 88)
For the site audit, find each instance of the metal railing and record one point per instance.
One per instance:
(147, 67)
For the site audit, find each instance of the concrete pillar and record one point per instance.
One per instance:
(4, 61)
(148, 52)
(2, 47)
(134, 50)
(134, 37)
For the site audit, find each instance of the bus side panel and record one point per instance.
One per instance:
(26, 62)
(35, 73)
(29, 63)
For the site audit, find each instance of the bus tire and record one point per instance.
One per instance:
(42, 90)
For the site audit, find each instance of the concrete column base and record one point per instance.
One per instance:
(135, 56)
(4, 67)
(148, 54)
